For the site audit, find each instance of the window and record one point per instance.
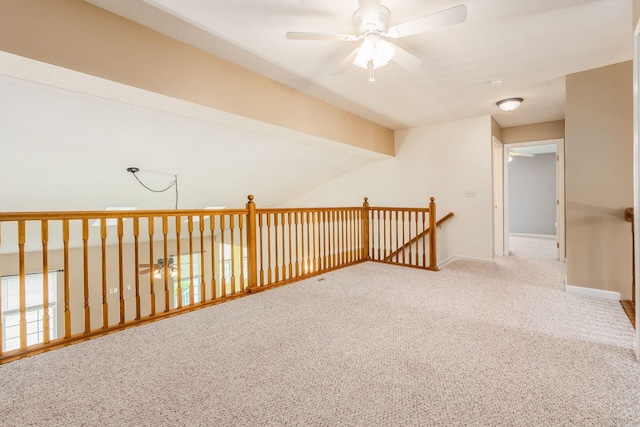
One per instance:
(34, 305)
(186, 280)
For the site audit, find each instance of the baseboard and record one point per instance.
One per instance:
(462, 258)
(594, 293)
(542, 236)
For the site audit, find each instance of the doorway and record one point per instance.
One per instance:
(533, 195)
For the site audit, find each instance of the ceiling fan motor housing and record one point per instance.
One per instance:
(380, 25)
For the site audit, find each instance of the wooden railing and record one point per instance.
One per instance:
(69, 276)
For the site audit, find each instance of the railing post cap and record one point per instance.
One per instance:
(433, 199)
(250, 197)
(366, 199)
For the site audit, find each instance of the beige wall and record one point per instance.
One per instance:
(443, 161)
(599, 177)
(79, 36)
(533, 132)
(636, 12)
(496, 130)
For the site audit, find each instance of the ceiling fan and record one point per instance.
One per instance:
(159, 267)
(371, 19)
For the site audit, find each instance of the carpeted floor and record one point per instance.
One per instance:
(533, 247)
(372, 345)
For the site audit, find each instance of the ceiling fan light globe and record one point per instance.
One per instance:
(384, 51)
(361, 61)
(377, 63)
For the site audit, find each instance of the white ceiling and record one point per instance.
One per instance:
(67, 138)
(532, 45)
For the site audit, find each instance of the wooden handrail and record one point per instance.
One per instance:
(418, 237)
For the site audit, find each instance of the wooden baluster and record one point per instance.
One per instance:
(349, 214)
(303, 224)
(152, 292)
(417, 261)
(390, 235)
(404, 241)
(165, 258)
(352, 235)
(336, 239)
(202, 281)
(384, 234)
(325, 241)
(190, 230)
(410, 236)
(314, 259)
(252, 241)
(275, 237)
(397, 222)
(296, 216)
(120, 270)
(46, 319)
(433, 263)
(260, 216)
(268, 248)
(324, 262)
(233, 254)
(223, 278)
(85, 269)
(240, 229)
(105, 304)
(214, 285)
(308, 262)
(178, 293)
(136, 260)
(283, 222)
(23, 285)
(424, 242)
(341, 241)
(291, 256)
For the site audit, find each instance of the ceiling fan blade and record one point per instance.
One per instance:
(345, 64)
(321, 36)
(444, 18)
(145, 271)
(370, 11)
(405, 59)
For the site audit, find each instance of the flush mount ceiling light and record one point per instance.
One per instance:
(509, 104)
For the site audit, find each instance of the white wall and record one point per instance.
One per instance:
(442, 161)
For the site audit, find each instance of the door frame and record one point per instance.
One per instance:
(497, 158)
(560, 203)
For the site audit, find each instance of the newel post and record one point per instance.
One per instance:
(252, 260)
(365, 229)
(433, 262)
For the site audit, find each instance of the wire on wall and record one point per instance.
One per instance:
(173, 183)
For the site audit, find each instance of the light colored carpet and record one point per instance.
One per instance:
(372, 345)
(533, 247)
